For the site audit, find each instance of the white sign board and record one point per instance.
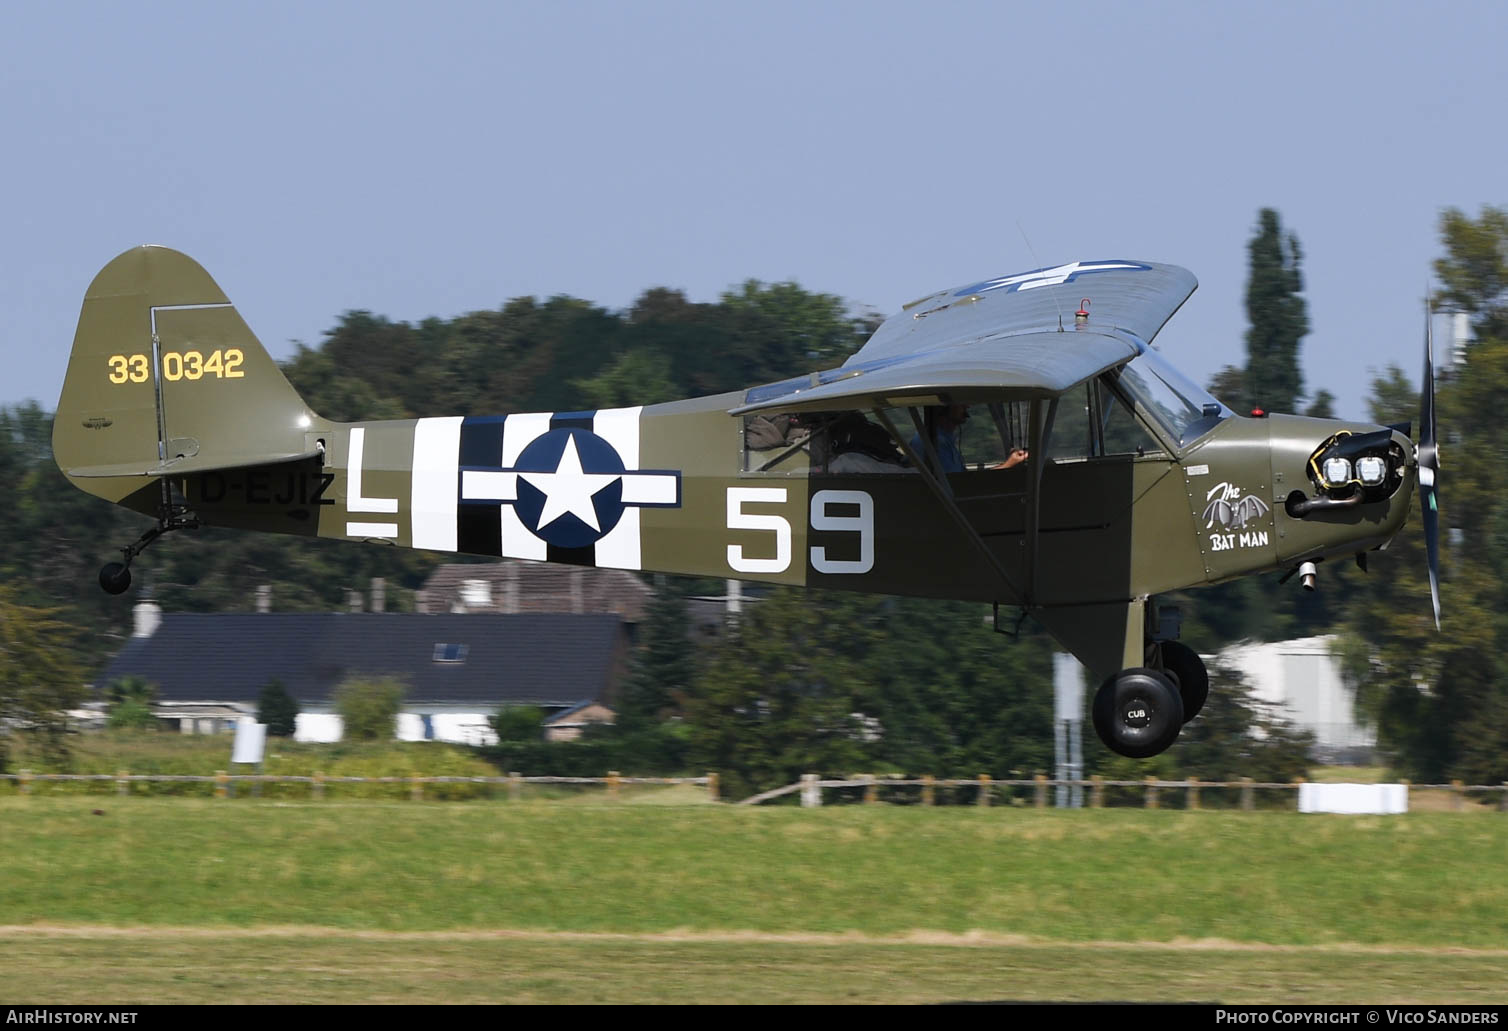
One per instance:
(251, 739)
(1353, 798)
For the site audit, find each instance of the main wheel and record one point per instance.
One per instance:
(115, 577)
(1138, 713)
(1189, 674)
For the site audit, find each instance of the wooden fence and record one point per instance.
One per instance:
(225, 783)
(987, 790)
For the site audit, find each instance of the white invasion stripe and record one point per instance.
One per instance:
(371, 529)
(620, 428)
(354, 501)
(619, 549)
(432, 502)
(519, 431)
(482, 485)
(516, 539)
(649, 489)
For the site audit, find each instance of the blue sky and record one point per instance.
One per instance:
(434, 159)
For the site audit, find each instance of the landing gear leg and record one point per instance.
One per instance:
(115, 577)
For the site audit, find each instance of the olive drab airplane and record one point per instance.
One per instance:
(1134, 482)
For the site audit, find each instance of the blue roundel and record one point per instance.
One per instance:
(544, 454)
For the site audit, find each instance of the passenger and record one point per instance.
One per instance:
(948, 422)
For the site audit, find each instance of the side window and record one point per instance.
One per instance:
(1121, 433)
(822, 442)
(1071, 438)
(1094, 421)
(777, 444)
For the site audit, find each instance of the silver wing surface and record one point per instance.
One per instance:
(1012, 337)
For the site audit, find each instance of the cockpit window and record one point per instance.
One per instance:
(1180, 407)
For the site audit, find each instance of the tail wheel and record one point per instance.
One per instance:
(115, 577)
(1186, 669)
(1138, 713)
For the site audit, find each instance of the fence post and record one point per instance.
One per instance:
(1246, 794)
(612, 785)
(1151, 792)
(1459, 788)
(25, 783)
(1193, 802)
(1298, 788)
(929, 790)
(1503, 805)
(122, 785)
(1041, 791)
(416, 788)
(1097, 792)
(871, 791)
(221, 783)
(712, 786)
(515, 786)
(811, 794)
(319, 784)
(984, 789)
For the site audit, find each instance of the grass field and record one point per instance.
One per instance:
(179, 900)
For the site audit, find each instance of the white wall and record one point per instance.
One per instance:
(1304, 678)
(467, 728)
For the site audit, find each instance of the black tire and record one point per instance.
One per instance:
(1189, 674)
(115, 577)
(1138, 713)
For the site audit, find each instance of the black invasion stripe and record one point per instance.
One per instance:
(479, 528)
(572, 420)
(586, 556)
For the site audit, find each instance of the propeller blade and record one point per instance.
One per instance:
(1429, 467)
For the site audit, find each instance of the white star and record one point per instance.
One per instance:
(568, 489)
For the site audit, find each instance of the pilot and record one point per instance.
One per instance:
(948, 422)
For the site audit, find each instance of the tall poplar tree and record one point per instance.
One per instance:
(1278, 315)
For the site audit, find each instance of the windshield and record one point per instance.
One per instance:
(1163, 392)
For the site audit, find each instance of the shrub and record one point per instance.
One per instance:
(368, 707)
(131, 701)
(277, 708)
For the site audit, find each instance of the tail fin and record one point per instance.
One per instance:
(165, 378)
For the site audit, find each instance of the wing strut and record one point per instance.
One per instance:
(938, 484)
(1041, 433)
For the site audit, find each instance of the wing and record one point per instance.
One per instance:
(998, 338)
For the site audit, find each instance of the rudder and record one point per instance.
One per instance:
(165, 377)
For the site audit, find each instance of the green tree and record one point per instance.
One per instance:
(368, 707)
(1322, 407)
(776, 698)
(277, 708)
(40, 680)
(1474, 270)
(1278, 316)
(1229, 386)
(1438, 699)
(663, 664)
(130, 704)
(518, 723)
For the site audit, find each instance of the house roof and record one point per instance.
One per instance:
(528, 659)
(514, 586)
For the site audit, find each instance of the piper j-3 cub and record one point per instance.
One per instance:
(1133, 482)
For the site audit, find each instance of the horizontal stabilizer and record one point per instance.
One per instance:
(191, 465)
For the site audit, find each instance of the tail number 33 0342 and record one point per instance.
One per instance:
(831, 510)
